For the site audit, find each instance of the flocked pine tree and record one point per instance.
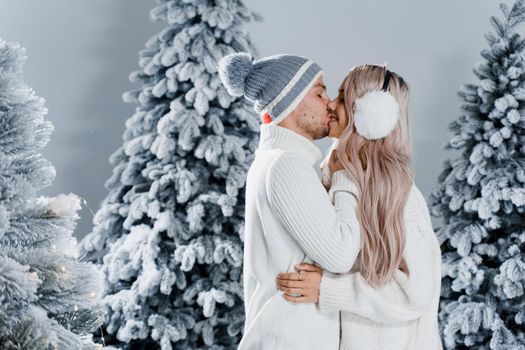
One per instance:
(169, 233)
(48, 299)
(481, 197)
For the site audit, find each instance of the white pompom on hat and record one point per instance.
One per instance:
(233, 70)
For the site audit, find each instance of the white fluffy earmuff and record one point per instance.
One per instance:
(376, 114)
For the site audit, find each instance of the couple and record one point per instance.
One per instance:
(358, 267)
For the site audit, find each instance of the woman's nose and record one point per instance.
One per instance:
(331, 105)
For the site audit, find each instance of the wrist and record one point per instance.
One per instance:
(342, 182)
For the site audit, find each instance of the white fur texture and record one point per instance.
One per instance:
(376, 114)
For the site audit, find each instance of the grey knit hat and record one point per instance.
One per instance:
(275, 84)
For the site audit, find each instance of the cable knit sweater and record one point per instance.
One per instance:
(289, 218)
(401, 315)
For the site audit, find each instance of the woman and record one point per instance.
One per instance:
(390, 298)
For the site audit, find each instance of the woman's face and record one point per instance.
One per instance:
(339, 119)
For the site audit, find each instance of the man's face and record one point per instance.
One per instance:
(312, 114)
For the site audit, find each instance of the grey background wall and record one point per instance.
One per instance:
(80, 54)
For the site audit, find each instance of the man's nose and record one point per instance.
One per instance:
(331, 105)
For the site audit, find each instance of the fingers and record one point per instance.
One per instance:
(307, 267)
(292, 276)
(291, 290)
(291, 284)
(333, 164)
(301, 299)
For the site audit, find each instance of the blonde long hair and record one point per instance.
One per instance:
(381, 170)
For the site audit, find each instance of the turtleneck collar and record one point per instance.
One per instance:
(276, 137)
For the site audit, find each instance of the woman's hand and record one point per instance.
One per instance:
(306, 282)
(334, 163)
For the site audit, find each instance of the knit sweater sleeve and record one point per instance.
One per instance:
(402, 299)
(327, 234)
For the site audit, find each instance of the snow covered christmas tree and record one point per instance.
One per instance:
(48, 299)
(481, 197)
(169, 234)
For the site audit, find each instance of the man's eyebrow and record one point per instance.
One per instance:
(322, 86)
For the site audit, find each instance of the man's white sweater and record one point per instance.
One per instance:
(289, 217)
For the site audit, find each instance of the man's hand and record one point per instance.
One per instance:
(306, 282)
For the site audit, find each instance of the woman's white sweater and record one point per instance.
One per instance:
(402, 314)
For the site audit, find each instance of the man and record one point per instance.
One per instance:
(289, 216)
